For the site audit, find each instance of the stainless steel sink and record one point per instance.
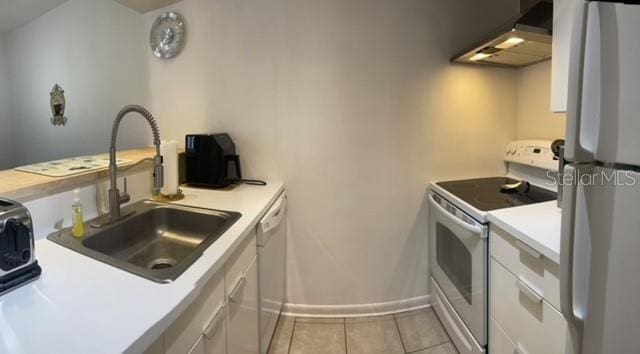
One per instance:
(157, 241)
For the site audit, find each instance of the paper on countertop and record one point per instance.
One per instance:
(70, 166)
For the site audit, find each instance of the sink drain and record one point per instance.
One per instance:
(162, 264)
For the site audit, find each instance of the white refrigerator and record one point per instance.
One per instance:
(600, 245)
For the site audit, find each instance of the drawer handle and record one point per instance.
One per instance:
(528, 249)
(527, 291)
(520, 350)
(215, 322)
(242, 282)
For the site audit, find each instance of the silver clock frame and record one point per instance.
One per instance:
(168, 35)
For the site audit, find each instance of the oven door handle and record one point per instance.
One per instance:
(471, 228)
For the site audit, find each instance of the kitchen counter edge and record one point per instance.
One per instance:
(106, 310)
(537, 225)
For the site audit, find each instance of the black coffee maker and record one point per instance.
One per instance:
(211, 161)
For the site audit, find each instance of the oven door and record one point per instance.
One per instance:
(458, 257)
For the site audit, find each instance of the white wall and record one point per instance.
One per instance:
(95, 49)
(354, 104)
(6, 143)
(535, 119)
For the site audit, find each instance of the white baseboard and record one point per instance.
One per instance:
(374, 309)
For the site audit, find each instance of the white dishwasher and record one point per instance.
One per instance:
(271, 243)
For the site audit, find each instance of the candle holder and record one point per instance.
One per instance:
(159, 197)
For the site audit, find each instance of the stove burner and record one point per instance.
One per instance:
(485, 193)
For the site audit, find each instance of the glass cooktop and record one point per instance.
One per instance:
(486, 193)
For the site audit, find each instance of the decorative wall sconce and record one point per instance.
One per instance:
(57, 103)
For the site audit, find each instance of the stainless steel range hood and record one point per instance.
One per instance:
(523, 42)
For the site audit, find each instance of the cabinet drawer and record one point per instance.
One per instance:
(242, 317)
(238, 263)
(499, 342)
(198, 347)
(216, 341)
(534, 326)
(538, 271)
(185, 331)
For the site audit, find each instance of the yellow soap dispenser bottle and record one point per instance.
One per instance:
(77, 216)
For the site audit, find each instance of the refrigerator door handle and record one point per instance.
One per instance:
(574, 150)
(561, 163)
(567, 242)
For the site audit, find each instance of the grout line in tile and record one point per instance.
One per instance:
(431, 346)
(395, 320)
(336, 320)
(442, 324)
(344, 325)
(274, 333)
(416, 310)
(293, 331)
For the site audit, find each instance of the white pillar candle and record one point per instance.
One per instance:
(169, 152)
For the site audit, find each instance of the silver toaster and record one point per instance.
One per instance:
(18, 263)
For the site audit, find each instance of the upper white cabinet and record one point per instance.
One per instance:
(563, 11)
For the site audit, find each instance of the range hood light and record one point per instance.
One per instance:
(523, 41)
(479, 56)
(511, 42)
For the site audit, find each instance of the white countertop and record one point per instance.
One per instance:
(80, 305)
(537, 225)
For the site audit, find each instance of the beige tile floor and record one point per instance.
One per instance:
(415, 332)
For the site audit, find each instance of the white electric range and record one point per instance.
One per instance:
(458, 236)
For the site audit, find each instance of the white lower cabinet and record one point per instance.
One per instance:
(499, 342)
(157, 347)
(526, 263)
(197, 348)
(523, 300)
(224, 316)
(207, 309)
(242, 317)
(530, 321)
(215, 340)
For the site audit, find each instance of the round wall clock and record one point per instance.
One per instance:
(168, 35)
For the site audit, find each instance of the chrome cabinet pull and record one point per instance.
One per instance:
(528, 249)
(215, 322)
(528, 291)
(242, 282)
